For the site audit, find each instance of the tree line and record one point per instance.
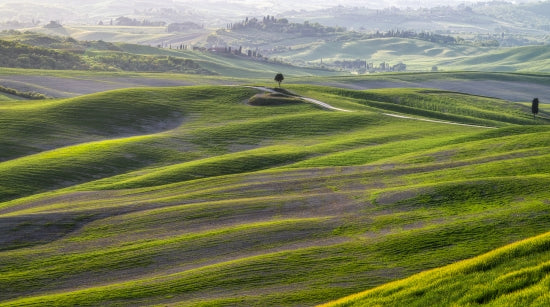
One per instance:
(29, 95)
(133, 62)
(425, 36)
(282, 25)
(17, 55)
(132, 22)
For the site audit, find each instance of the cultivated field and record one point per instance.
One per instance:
(508, 86)
(192, 196)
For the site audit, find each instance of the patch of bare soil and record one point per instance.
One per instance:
(507, 90)
(388, 198)
(444, 155)
(59, 87)
(28, 230)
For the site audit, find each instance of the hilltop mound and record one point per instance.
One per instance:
(272, 99)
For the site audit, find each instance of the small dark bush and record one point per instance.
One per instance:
(272, 100)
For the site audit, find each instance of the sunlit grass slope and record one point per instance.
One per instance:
(191, 196)
(514, 275)
(421, 55)
(529, 58)
(232, 65)
(417, 54)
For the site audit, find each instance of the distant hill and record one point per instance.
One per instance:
(528, 58)
(66, 53)
(14, 54)
(315, 45)
(494, 17)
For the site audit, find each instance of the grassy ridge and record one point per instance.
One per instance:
(234, 204)
(513, 59)
(417, 54)
(231, 65)
(513, 275)
(421, 55)
(234, 125)
(435, 104)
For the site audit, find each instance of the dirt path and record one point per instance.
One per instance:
(436, 121)
(310, 100)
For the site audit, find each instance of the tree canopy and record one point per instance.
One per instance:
(279, 78)
(535, 107)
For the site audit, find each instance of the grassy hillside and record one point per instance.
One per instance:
(419, 55)
(522, 59)
(193, 196)
(514, 275)
(17, 55)
(136, 35)
(311, 53)
(62, 52)
(232, 65)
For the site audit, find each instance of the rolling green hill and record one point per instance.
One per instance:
(17, 55)
(514, 275)
(530, 58)
(311, 53)
(417, 54)
(192, 196)
(40, 51)
(421, 55)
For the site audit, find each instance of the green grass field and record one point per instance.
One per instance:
(306, 51)
(420, 55)
(514, 275)
(191, 196)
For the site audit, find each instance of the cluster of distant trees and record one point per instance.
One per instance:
(362, 65)
(18, 55)
(425, 36)
(132, 22)
(58, 43)
(53, 24)
(133, 62)
(235, 51)
(351, 64)
(282, 25)
(29, 95)
(182, 27)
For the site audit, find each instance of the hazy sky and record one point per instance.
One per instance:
(218, 11)
(313, 4)
(276, 3)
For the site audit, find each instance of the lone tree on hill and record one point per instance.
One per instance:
(279, 78)
(535, 107)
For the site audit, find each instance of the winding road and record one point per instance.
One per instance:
(327, 106)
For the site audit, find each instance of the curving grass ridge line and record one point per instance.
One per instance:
(514, 275)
